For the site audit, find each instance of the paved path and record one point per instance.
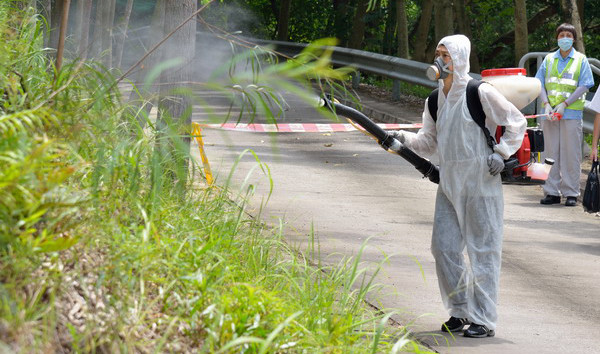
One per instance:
(348, 189)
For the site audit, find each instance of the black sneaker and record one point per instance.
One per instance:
(571, 201)
(478, 331)
(550, 199)
(455, 324)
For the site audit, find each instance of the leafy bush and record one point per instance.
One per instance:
(100, 252)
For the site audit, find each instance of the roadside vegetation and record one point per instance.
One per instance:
(102, 252)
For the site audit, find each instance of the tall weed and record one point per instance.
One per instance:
(101, 253)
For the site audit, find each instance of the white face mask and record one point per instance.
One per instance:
(439, 70)
(565, 43)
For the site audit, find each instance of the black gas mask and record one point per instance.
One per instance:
(439, 70)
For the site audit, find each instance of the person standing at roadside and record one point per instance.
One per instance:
(469, 206)
(565, 76)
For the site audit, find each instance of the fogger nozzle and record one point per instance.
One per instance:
(424, 166)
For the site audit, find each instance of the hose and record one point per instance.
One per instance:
(387, 141)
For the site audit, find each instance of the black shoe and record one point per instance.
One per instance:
(455, 324)
(479, 331)
(551, 199)
(571, 201)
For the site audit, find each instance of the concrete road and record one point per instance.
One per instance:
(347, 188)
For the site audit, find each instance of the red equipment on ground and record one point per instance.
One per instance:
(520, 90)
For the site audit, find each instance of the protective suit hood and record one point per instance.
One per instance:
(459, 48)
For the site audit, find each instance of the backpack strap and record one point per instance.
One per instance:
(474, 105)
(432, 104)
(476, 109)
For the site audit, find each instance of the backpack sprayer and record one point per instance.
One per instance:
(520, 168)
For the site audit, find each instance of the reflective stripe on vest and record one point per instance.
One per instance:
(559, 86)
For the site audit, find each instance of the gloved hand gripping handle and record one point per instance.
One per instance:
(423, 165)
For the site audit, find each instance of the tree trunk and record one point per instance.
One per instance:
(444, 19)
(55, 14)
(182, 45)
(389, 33)
(174, 107)
(144, 97)
(275, 8)
(122, 34)
(521, 34)
(341, 21)
(95, 47)
(419, 53)
(358, 25)
(402, 29)
(46, 11)
(460, 16)
(156, 34)
(283, 21)
(108, 17)
(464, 26)
(576, 22)
(330, 27)
(78, 14)
(564, 11)
(64, 21)
(84, 18)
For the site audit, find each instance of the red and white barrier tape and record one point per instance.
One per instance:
(302, 127)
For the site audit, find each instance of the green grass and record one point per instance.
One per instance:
(101, 252)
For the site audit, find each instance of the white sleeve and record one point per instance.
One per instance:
(424, 142)
(595, 104)
(499, 111)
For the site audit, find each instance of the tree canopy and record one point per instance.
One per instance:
(489, 23)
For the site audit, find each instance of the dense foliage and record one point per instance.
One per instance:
(489, 21)
(100, 252)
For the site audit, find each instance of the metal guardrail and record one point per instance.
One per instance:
(396, 68)
(412, 71)
(384, 65)
(539, 56)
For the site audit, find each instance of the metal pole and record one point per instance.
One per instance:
(396, 90)
(355, 79)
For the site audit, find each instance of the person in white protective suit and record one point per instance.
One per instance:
(469, 203)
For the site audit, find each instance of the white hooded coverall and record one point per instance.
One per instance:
(469, 203)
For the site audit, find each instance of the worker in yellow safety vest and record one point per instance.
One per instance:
(565, 76)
